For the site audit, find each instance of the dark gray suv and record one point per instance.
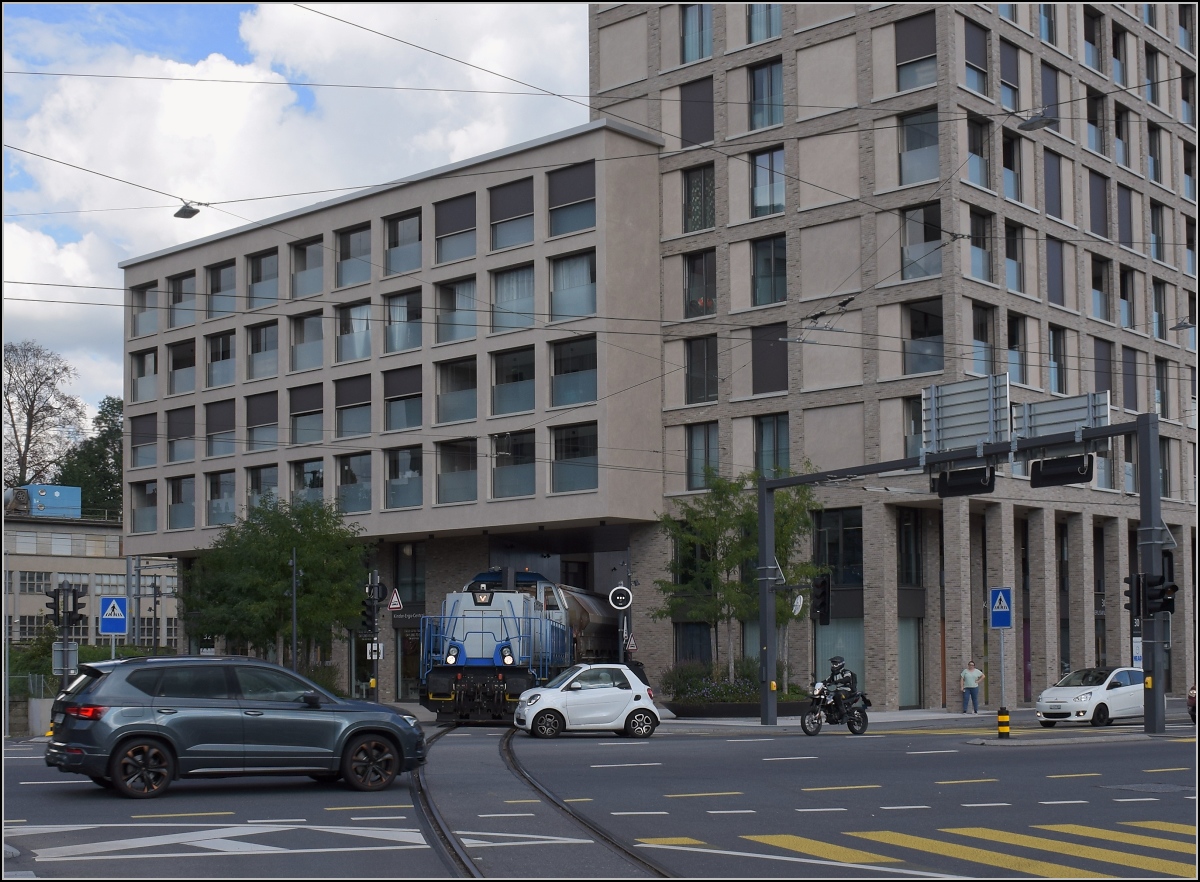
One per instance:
(137, 724)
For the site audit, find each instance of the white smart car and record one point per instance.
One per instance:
(1093, 695)
(589, 697)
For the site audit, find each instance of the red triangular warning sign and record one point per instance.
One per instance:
(394, 601)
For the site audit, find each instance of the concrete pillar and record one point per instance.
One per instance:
(1001, 572)
(932, 656)
(1081, 590)
(956, 533)
(1043, 602)
(1116, 568)
(880, 604)
(1183, 635)
(650, 552)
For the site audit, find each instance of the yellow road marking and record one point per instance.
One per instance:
(1119, 836)
(1077, 775)
(1179, 769)
(359, 808)
(968, 781)
(685, 795)
(981, 856)
(184, 815)
(848, 787)
(1183, 740)
(1089, 852)
(828, 851)
(1165, 826)
(673, 840)
(515, 801)
(579, 799)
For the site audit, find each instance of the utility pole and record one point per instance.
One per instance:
(1156, 627)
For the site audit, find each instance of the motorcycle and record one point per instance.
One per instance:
(824, 709)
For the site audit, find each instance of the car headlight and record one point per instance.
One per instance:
(532, 700)
(412, 721)
(1087, 696)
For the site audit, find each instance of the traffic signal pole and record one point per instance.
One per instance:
(1156, 628)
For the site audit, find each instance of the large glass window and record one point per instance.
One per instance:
(143, 310)
(181, 503)
(263, 355)
(222, 506)
(456, 398)
(307, 413)
(262, 421)
(143, 440)
(1101, 289)
(512, 304)
(701, 370)
(222, 290)
(1093, 24)
(514, 464)
(354, 482)
(220, 420)
(1010, 76)
(1014, 257)
(181, 367)
(766, 183)
(221, 362)
(143, 501)
(699, 199)
(352, 403)
(574, 380)
(575, 465)
(919, 147)
(769, 266)
(772, 456)
(765, 20)
(454, 233)
(456, 311)
(572, 192)
(308, 477)
(839, 545)
(181, 434)
(457, 478)
(404, 477)
(921, 241)
(573, 286)
(703, 453)
(982, 348)
(144, 368)
(1012, 168)
(264, 279)
(513, 390)
(1017, 357)
(975, 75)
(924, 344)
(403, 243)
(354, 256)
(402, 398)
(1096, 128)
(979, 164)
(1058, 360)
(695, 23)
(403, 322)
(182, 292)
(261, 482)
(511, 207)
(308, 268)
(700, 283)
(981, 246)
(766, 94)
(307, 340)
(354, 332)
(916, 52)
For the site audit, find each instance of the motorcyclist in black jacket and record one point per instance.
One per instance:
(840, 682)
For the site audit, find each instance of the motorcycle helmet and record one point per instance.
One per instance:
(836, 664)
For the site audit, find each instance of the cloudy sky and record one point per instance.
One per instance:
(212, 142)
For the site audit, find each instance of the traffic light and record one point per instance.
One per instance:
(1161, 589)
(77, 615)
(368, 614)
(55, 607)
(819, 611)
(1134, 593)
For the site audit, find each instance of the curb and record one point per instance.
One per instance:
(1043, 742)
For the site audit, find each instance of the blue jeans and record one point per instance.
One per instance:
(971, 692)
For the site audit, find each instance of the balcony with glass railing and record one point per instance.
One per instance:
(1104, 475)
(767, 198)
(978, 171)
(403, 258)
(1012, 185)
(182, 380)
(222, 303)
(403, 492)
(1121, 148)
(514, 480)
(145, 520)
(1014, 274)
(456, 325)
(307, 355)
(1100, 304)
(352, 346)
(221, 511)
(308, 282)
(573, 302)
(145, 388)
(454, 406)
(309, 494)
(1189, 188)
(923, 355)
(517, 313)
(577, 387)
(1126, 313)
(262, 437)
(143, 455)
(254, 500)
(457, 486)
(981, 263)
(354, 497)
(181, 516)
(145, 322)
(1091, 55)
(1131, 482)
(579, 473)
(402, 413)
(264, 293)
(353, 271)
(981, 357)
(1016, 367)
(921, 259)
(403, 335)
(263, 364)
(1095, 137)
(912, 446)
(1058, 377)
(919, 165)
(512, 397)
(182, 312)
(220, 373)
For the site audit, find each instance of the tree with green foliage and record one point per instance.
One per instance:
(95, 464)
(240, 588)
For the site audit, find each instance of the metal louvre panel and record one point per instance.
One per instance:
(403, 381)
(916, 37)
(958, 416)
(143, 429)
(976, 40)
(305, 399)
(262, 410)
(220, 416)
(572, 184)
(769, 359)
(181, 423)
(511, 200)
(1098, 199)
(352, 390)
(696, 112)
(454, 215)
(1009, 63)
(1062, 415)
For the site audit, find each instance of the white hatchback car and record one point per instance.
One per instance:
(589, 697)
(1093, 695)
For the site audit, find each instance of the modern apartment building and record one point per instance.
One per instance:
(522, 359)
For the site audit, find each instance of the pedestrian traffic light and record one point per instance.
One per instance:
(819, 611)
(77, 615)
(1134, 593)
(1161, 589)
(55, 607)
(368, 615)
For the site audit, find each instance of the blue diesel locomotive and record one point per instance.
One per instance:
(506, 632)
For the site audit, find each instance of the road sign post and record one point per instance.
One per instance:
(1000, 614)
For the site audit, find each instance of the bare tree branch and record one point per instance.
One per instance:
(41, 420)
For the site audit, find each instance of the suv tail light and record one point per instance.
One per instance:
(85, 711)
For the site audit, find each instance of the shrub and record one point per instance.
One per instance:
(697, 683)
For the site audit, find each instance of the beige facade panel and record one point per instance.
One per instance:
(827, 76)
(672, 204)
(833, 436)
(737, 101)
(833, 359)
(740, 276)
(672, 118)
(890, 341)
(738, 194)
(623, 48)
(634, 112)
(887, 154)
(828, 168)
(829, 263)
(668, 36)
(883, 61)
(810, 15)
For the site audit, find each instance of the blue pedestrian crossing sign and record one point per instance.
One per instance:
(113, 615)
(1000, 607)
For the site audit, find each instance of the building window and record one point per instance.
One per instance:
(1125, 217)
(921, 241)
(979, 169)
(573, 286)
(1010, 76)
(1101, 289)
(1189, 179)
(772, 453)
(1098, 199)
(924, 342)
(769, 268)
(404, 478)
(981, 246)
(1050, 94)
(1154, 153)
(982, 348)
(512, 298)
(574, 380)
(222, 507)
(1120, 58)
(456, 311)
(768, 359)
(1011, 151)
(1014, 257)
(575, 465)
(1048, 23)
(839, 545)
(1008, 11)
(403, 252)
(513, 389)
(181, 434)
(307, 342)
(1017, 342)
(572, 192)
(144, 368)
(352, 406)
(454, 228)
(182, 293)
(912, 417)
(696, 118)
(262, 421)
(143, 440)
(143, 310)
(908, 547)
(1131, 469)
(354, 332)
(765, 20)
(222, 290)
(1187, 28)
(1055, 282)
(264, 279)
(699, 199)
(1052, 183)
(1129, 378)
(511, 207)
(457, 471)
(1102, 360)
(1187, 98)
(307, 413)
(1093, 24)
(308, 268)
(514, 464)
(1150, 14)
(456, 398)
(1058, 360)
(1127, 298)
(766, 95)
(181, 503)
(918, 147)
(703, 454)
(402, 398)
(700, 284)
(695, 42)
(143, 501)
(354, 482)
(701, 371)
(30, 582)
(221, 363)
(1152, 86)
(976, 50)
(403, 322)
(916, 52)
(1159, 317)
(354, 256)
(1164, 467)
(766, 182)
(1095, 122)
(1121, 136)
(219, 426)
(1158, 248)
(308, 477)
(263, 356)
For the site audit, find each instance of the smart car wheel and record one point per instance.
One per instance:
(640, 724)
(1100, 715)
(370, 763)
(1047, 724)
(547, 724)
(142, 768)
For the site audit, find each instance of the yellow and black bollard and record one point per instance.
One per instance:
(1002, 723)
